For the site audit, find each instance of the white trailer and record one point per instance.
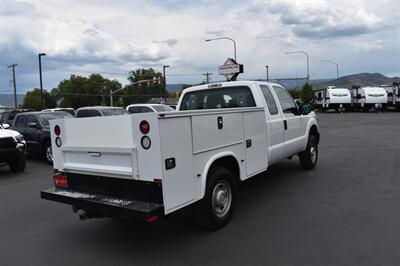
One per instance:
(393, 94)
(152, 164)
(332, 98)
(365, 98)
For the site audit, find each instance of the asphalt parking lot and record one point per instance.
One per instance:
(345, 212)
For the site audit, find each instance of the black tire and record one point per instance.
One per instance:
(48, 153)
(19, 163)
(221, 186)
(309, 157)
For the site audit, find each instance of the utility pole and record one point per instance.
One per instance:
(15, 84)
(207, 74)
(40, 76)
(267, 73)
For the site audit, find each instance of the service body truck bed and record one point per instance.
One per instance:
(152, 164)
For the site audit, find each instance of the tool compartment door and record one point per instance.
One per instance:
(176, 144)
(255, 142)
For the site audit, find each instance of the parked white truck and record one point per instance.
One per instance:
(152, 164)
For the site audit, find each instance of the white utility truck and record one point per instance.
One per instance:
(332, 98)
(365, 98)
(152, 164)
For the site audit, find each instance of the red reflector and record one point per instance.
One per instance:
(57, 130)
(61, 181)
(144, 127)
(157, 180)
(152, 218)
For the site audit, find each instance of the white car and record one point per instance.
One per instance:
(93, 111)
(71, 111)
(12, 148)
(153, 164)
(148, 108)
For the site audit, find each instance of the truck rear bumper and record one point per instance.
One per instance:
(109, 206)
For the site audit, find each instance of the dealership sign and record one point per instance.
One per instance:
(230, 69)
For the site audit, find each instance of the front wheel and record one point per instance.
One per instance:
(216, 208)
(18, 165)
(309, 157)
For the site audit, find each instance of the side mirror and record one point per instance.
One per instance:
(5, 126)
(33, 125)
(305, 109)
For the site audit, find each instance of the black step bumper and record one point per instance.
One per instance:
(109, 206)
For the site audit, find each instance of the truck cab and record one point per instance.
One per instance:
(153, 164)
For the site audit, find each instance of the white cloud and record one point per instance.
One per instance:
(113, 37)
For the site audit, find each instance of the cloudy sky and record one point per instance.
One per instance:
(112, 37)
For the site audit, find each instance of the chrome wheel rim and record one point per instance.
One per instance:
(49, 154)
(221, 199)
(313, 153)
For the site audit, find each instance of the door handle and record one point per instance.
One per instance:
(220, 122)
(285, 124)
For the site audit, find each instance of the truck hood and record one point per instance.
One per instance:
(8, 133)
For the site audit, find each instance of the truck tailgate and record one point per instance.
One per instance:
(97, 145)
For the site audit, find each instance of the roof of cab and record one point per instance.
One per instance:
(228, 84)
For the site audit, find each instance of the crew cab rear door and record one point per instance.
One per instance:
(275, 127)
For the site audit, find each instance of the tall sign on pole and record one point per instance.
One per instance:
(230, 69)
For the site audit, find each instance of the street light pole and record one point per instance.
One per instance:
(40, 76)
(165, 83)
(308, 62)
(337, 66)
(267, 73)
(226, 38)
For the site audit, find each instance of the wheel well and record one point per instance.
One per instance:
(314, 131)
(228, 162)
(45, 141)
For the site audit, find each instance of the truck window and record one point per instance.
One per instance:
(269, 98)
(30, 119)
(20, 121)
(88, 113)
(228, 97)
(286, 101)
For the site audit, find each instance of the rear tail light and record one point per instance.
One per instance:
(144, 127)
(57, 130)
(152, 218)
(60, 180)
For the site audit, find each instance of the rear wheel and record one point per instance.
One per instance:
(309, 157)
(19, 163)
(48, 153)
(216, 208)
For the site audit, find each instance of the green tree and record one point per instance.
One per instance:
(80, 91)
(32, 100)
(307, 93)
(141, 93)
(295, 93)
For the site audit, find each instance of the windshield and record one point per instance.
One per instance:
(163, 108)
(46, 117)
(113, 111)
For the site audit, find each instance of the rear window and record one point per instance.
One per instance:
(88, 113)
(163, 108)
(46, 117)
(228, 97)
(113, 111)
